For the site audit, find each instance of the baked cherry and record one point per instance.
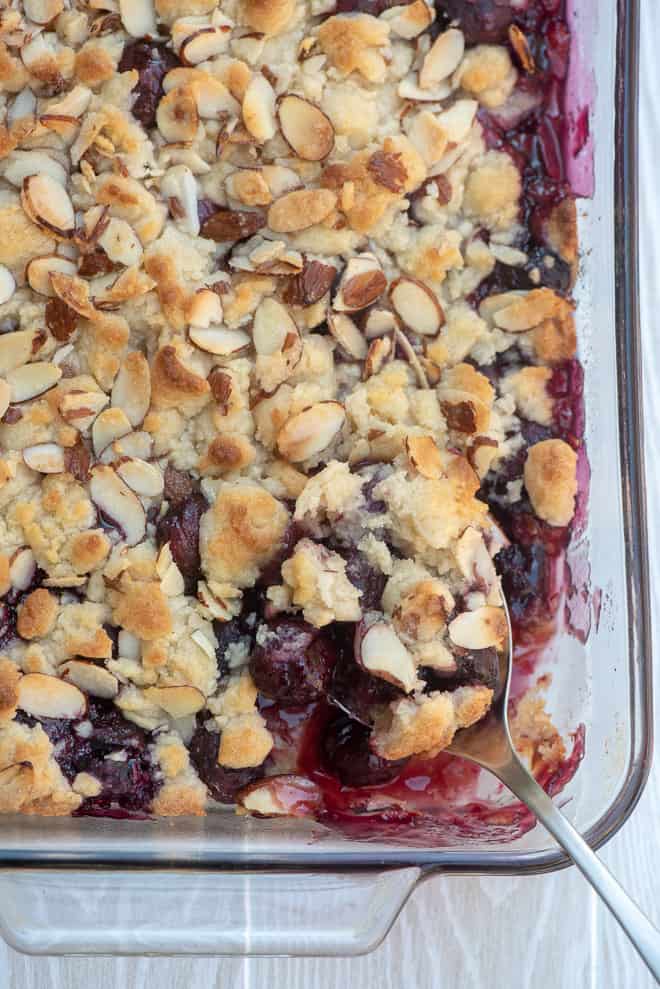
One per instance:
(223, 783)
(352, 688)
(153, 62)
(180, 528)
(472, 666)
(293, 662)
(481, 21)
(346, 754)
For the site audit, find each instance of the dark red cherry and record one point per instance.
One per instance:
(223, 783)
(292, 662)
(346, 754)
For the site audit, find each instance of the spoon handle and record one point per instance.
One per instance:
(640, 930)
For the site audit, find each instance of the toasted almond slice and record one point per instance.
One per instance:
(306, 128)
(442, 58)
(458, 119)
(424, 456)
(417, 306)
(310, 431)
(38, 272)
(382, 653)
(205, 308)
(7, 284)
(362, 282)
(121, 243)
(24, 106)
(212, 97)
(45, 696)
(204, 44)
(143, 478)
(16, 349)
(46, 458)
(378, 322)
(38, 57)
(475, 561)
(479, 629)
(409, 22)
(31, 380)
(272, 325)
(66, 127)
(138, 18)
(43, 11)
(259, 109)
(301, 209)
(177, 701)
(22, 568)
(117, 503)
(379, 350)
(5, 395)
(80, 408)
(177, 117)
(131, 390)
(47, 203)
(110, 425)
(22, 164)
(293, 796)
(219, 340)
(92, 678)
(347, 335)
(180, 184)
(139, 445)
(401, 340)
(280, 179)
(409, 90)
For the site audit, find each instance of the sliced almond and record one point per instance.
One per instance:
(138, 18)
(362, 282)
(46, 458)
(259, 109)
(177, 117)
(378, 322)
(7, 284)
(43, 11)
(379, 351)
(309, 432)
(45, 696)
(22, 568)
(139, 445)
(442, 59)
(31, 380)
(47, 203)
(80, 408)
(16, 349)
(131, 390)
(180, 184)
(143, 478)
(280, 179)
(92, 678)
(347, 335)
(219, 340)
(272, 325)
(311, 284)
(424, 456)
(458, 119)
(410, 91)
(409, 22)
(21, 164)
(292, 796)
(382, 653)
(479, 629)
(177, 701)
(301, 209)
(417, 306)
(204, 44)
(306, 128)
(5, 396)
(226, 225)
(110, 425)
(118, 504)
(205, 309)
(475, 561)
(121, 243)
(213, 98)
(39, 270)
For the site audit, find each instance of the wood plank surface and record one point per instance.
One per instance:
(496, 933)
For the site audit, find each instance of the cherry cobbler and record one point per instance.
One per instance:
(287, 384)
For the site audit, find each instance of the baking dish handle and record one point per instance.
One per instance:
(200, 913)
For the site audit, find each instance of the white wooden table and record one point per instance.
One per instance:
(455, 933)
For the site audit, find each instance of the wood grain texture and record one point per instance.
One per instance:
(548, 932)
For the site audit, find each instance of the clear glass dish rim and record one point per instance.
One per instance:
(629, 382)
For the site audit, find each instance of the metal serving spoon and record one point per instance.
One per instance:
(488, 743)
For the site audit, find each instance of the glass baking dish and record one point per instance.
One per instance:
(226, 884)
